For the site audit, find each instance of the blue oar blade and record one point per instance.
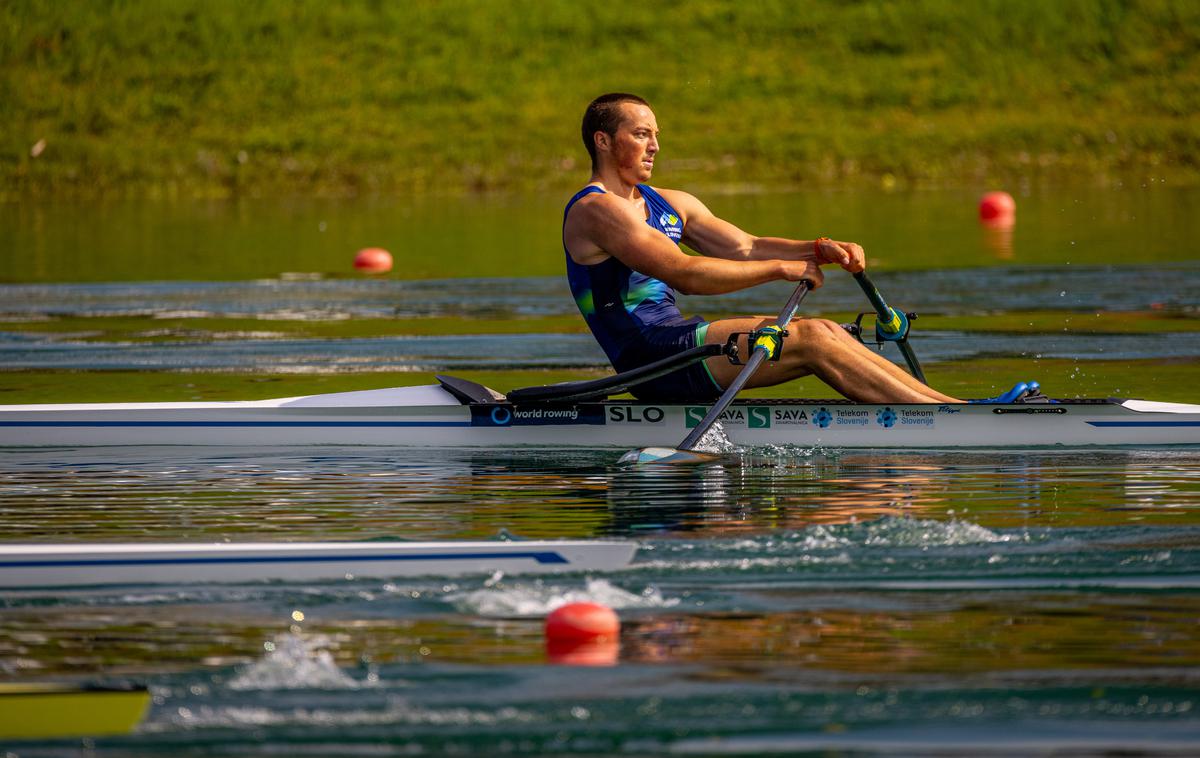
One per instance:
(667, 455)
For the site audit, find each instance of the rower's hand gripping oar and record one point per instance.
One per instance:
(767, 344)
(891, 325)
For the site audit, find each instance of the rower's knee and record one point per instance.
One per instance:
(811, 338)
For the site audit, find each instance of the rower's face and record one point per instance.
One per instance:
(636, 142)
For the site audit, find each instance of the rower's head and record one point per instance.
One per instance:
(620, 131)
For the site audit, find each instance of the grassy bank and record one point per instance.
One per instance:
(221, 98)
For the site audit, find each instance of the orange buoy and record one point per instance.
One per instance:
(997, 208)
(373, 260)
(582, 622)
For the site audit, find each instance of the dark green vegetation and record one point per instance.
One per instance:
(221, 98)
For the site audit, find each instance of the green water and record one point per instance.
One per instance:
(506, 236)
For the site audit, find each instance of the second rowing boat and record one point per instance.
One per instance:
(58, 565)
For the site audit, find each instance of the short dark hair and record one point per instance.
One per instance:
(604, 115)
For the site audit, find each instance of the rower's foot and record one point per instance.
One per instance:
(1034, 395)
(1022, 392)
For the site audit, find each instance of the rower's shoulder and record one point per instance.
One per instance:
(685, 203)
(595, 205)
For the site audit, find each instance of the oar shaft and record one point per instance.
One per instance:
(887, 316)
(911, 359)
(689, 442)
(758, 355)
(891, 323)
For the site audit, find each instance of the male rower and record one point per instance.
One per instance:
(624, 264)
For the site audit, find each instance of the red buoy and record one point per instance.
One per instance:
(997, 208)
(582, 622)
(373, 260)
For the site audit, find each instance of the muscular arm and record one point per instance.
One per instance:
(600, 225)
(717, 238)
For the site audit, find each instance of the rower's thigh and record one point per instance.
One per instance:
(804, 337)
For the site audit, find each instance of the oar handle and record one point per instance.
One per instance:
(892, 324)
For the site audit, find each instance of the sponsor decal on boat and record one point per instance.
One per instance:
(750, 416)
(791, 417)
(919, 417)
(889, 417)
(758, 416)
(851, 417)
(634, 414)
(540, 415)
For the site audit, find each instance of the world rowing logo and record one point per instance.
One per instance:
(501, 416)
(671, 224)
(886, 418)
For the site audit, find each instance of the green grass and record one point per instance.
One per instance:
(215, 98)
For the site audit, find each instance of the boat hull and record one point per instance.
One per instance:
(423, 417)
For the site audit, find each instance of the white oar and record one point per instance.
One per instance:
(767, 344)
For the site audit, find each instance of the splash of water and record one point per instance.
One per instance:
(295, 661)
(539, 598)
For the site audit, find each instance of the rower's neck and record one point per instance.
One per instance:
(611, 183)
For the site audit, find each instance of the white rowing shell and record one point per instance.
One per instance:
(27, 566)
(432, 417)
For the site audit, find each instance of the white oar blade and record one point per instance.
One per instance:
(657, 455)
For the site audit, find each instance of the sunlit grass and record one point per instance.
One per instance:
(218, 98)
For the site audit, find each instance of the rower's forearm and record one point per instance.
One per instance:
(716, 276)
(778, 248)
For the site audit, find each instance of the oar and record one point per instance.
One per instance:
(762, 348)
(891, 326)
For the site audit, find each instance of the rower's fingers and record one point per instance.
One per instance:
(856, 259)
(832, 251)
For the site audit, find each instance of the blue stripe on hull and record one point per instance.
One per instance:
(541, 556)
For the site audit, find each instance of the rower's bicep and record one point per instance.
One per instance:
(707, 234)
(630, 240)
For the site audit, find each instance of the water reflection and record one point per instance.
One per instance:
(998, 237)
(445, 236)
(759, 628)
(365, 493)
